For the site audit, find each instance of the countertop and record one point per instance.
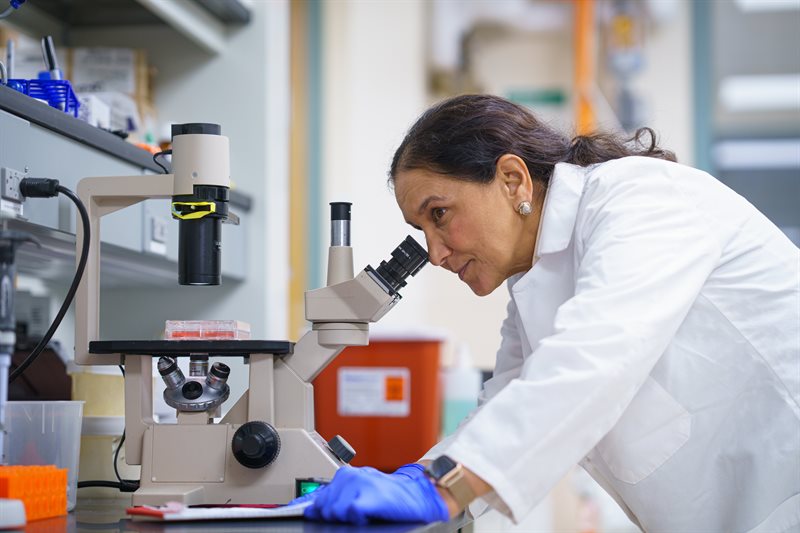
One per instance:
(109, 515)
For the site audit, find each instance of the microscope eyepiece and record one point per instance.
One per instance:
(340, 210)
(407, 259)
(340, 223)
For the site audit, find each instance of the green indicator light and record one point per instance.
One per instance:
(307, 487)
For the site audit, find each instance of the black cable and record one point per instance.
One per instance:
(72, 289)
(157, 155)
(126, 482)
(116, 458)
(121, 440)
(122, 487)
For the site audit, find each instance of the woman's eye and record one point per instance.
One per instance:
(438, 213)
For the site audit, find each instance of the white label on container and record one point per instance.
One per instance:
(374, 391)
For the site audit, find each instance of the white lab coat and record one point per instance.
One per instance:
(655, 341)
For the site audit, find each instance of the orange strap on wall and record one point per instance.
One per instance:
(298, 168)
(585, 40)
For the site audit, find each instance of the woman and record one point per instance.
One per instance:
(652, 336)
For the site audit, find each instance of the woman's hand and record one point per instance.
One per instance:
(359, 495)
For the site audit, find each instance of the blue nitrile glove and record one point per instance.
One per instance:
(360, 494)
(411, 471)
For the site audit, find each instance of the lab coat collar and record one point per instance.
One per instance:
(557, 224)
(560, 209)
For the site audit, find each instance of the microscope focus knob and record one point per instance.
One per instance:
(256, 444)
(342, 449)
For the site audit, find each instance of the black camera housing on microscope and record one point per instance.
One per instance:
(200, 216)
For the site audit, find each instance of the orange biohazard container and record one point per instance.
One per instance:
(384, 399)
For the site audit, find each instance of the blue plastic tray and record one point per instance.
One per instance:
(57, 93)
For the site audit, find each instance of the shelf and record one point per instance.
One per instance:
(204, 22)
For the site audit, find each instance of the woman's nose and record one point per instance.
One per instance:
(437, 251)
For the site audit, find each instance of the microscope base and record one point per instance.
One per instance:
(194, 465)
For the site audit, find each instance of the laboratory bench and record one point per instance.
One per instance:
(108, 515)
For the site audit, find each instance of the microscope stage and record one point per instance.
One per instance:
(224, 348)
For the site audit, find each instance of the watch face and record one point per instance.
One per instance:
(440, 466)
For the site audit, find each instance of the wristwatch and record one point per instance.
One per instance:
(449, 475)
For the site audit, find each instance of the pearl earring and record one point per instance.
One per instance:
(525, 208)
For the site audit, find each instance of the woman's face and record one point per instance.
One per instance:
(471, 229)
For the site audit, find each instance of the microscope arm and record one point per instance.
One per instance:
(340, 314)
(102, 196)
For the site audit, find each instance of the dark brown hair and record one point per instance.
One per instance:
(463, 137)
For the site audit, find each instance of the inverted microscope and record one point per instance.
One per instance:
(265, 448)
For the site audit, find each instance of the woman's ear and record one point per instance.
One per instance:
(512, 175)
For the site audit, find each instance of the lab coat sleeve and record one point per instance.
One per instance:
(642, 257)
(508, 365)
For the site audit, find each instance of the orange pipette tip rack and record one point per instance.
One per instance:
(43, 489)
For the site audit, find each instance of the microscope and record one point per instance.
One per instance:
(265, 448)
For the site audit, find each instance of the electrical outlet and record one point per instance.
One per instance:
(11, 179)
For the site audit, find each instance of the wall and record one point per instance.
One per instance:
(666, 81)
(373, 87)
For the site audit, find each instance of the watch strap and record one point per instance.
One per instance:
(455, 482)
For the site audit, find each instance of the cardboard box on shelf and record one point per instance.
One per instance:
(122, 70)
(124, 112)
(94, 111)
(114, 84)
(121, 78)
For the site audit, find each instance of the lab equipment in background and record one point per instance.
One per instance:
(48, 379)
(122, 79)
(384, 398)
(55, 93)
(50, 58)
(266, 441)
(94, 111)
(49, 88)
(13, 5)
(625, 31)
(206, 329)
(9, 241)
(46, 433)
(10, 58)
(51, 431)
(462, 384)
(41, 489)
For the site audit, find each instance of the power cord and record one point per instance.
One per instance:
(48, 188)
(159, 154)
